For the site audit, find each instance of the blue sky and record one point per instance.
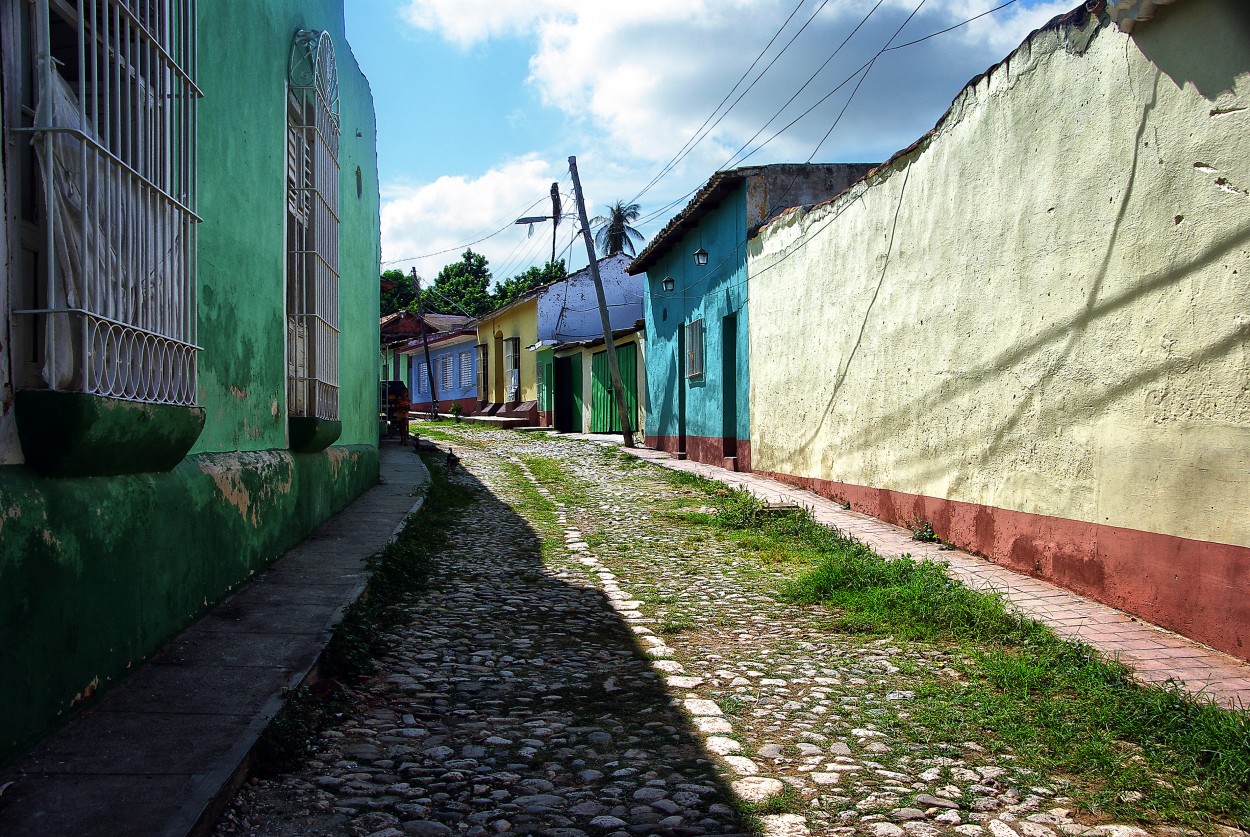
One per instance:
(480, 102)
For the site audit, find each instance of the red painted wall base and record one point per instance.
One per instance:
(1196, 588)
(710, 450)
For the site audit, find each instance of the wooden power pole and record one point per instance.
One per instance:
(425, 341)
(622, 407)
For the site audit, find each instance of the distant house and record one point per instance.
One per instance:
(696, 306)
(453, 356)
(575, 387)
(512, 340)
(398, 332)
(189, 235)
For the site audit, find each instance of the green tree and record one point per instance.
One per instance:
(462, 287)
(522, 283)
(614, 234)
(401, 296)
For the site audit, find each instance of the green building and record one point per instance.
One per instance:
(188, 361)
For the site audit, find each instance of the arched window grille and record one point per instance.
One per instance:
(105, 290)
(312, 228)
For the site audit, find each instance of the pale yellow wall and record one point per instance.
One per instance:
(1062, 325)
(520, 320)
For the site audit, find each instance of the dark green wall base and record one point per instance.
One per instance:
(96, 573)
(309, 435)
(73, 434)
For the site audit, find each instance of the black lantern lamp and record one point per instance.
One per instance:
(669, 284)
(700, 257)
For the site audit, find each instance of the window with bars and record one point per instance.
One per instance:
(512, 368)
(466, 369)
(483, 356)
(312, 207)
(102, 96)
(423, 378)
(694, 349)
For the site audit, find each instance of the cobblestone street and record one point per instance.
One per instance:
(582, 665)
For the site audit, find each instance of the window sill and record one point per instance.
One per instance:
(74, 434)
(312, 435)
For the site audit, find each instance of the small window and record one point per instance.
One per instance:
(512, 368)
(445, 372)
(483, 383)
(694, 349)
(466, 369)
(423, 378)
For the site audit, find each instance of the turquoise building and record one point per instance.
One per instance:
(190, 239)
(695, 304)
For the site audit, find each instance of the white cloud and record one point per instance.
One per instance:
(452, 210)
(634, 83)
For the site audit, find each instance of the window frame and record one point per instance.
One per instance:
(312, 227)
(694, 362)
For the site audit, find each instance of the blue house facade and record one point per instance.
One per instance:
(695, 305)
(453, 357)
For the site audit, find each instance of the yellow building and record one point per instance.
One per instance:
(506, 384)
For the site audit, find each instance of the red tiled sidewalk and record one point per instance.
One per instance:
(1155, 655)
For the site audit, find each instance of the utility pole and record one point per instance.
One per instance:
(622, 408)
(555, 217)
(425, 340)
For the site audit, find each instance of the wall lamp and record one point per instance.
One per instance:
(700, 257)
(669, 284)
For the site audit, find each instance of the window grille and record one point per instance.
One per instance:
(483, 356)
(445, 372)
(466, 369)
(312, 282)
(107, 297)
(694, 349)
(512, 368)
(423, 378)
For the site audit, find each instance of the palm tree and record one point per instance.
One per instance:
(615, 233)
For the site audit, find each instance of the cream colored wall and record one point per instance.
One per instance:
(1062, 323)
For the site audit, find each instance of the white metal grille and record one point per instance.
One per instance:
(423, 378)
(113, 312)
(512, 368)
(466, 369)
(312, 280)
(483, 365)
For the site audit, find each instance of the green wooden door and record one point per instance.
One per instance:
(603, 414)
(575, 381)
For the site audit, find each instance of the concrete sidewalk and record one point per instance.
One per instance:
(163, 751)
(1155, 655)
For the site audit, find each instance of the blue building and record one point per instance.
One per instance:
(453, 356)
(695, 304)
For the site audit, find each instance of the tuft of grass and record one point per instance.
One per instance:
(288, 738)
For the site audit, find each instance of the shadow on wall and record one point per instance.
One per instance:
(1220, 27)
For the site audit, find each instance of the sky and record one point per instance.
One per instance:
(480, 103)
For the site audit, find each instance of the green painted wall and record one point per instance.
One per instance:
(97, 572)
(242, 143)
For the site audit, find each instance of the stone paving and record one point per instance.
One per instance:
(582, 667)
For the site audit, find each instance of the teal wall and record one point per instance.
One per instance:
(97, 572)
(710, 292)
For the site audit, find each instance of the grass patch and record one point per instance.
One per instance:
(1057, 705)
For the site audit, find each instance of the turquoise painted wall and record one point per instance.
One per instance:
(710, 292)
(96, 573)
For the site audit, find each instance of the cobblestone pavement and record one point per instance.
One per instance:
(580, 666)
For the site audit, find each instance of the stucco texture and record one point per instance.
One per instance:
(242, 247)
(1041, 307)
(519, 321)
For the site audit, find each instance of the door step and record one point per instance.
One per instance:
(679, 455)
(729, 463)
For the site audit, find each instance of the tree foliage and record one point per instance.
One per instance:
(522, 283)
(462, 287)
(615, 233)
(400, 297)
